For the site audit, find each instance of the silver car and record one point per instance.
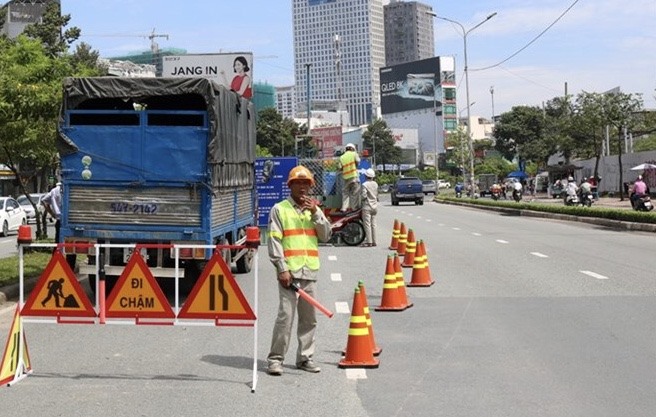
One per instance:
(27, 206)
(429, 187)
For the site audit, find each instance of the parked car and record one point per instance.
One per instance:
(27, 206)
(429, 186)
(407, 189)
(443, 184)
(12, 215)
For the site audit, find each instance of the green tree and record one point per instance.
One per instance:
(458, 152)
(520, 134)
(51, 30)
(30, 96)
(275, 133)
(380, 134)
(621, 110)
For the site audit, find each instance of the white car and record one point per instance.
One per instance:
(443, 184)
(12, 215)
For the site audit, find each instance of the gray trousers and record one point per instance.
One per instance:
(288, 305)
(369, 222)
(351, 194)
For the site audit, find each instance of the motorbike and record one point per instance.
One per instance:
(517, 195)
(642, 204)
(572, 200)
(495, 194)
(586, 199)
(347, 227)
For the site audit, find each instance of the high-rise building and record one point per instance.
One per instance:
(20, 13)
(340, 46)
(408, 32)
(286, 101)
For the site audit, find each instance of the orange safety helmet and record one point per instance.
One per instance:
(300, 173)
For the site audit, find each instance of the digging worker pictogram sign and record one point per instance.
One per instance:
(216, 295)
(58, 293)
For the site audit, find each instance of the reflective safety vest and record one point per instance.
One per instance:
(349, 167)
(299, 238)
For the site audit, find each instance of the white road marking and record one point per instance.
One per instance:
(455, 228)
(428, 220)
(419, 217)
(539, 255)
(502, 241)
(332, 258)
(356, 373)
(440, 224)
(342, 307)
(476, 234)
(594, 274)
(336, 277)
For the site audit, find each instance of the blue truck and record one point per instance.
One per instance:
(156, 161)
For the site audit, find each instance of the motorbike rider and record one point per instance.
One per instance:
(585, 188)
(639, 190)
(571, 189)
(458, 189)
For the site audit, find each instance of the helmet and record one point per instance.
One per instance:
(370, 173)
(585, 179)
(639, 177)
(570, 178)
(349, 146)
(300, 173)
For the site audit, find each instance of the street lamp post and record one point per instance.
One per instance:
(492, 94)
(437, 152)
(469, 136)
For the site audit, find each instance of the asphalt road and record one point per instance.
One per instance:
(527, 317)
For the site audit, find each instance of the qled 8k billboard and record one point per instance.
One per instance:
(410, 86)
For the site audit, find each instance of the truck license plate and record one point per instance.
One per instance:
(127, 253)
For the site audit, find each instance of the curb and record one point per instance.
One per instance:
(12, 292)
(614, 224)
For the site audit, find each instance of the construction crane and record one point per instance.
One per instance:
(154, 47)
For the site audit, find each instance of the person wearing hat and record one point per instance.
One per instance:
(296, 225)
(348, 164)
(369, 207)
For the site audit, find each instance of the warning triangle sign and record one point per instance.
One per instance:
(58, 293)
(11, 365)
(137, 294)
(216, 295)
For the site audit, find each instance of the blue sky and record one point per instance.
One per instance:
(596, 46)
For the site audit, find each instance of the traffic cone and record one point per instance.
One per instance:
(420, 274)
(400, 283)
(425, 256)
(359, 353)
(375, 349)
(395, 235)
(390, 301)
(410, 249)
(403, 239)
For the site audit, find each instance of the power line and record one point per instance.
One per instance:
(531, 42)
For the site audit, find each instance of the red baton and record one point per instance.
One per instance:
(307, 297)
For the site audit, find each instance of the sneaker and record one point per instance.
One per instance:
(309, 366)
(274, 368)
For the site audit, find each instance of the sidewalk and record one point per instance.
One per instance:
(610, 202)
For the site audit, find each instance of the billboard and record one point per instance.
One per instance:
(327, 139)
(233, 70)
(410, 86)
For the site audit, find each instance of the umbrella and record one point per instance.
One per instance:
(643, 167)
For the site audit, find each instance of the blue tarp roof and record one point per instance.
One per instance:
(518, 174)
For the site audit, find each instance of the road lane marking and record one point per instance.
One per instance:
(440, 224)
(476, 234)
(342, 307)
(455, 228)
(419, 217)
(502, 241)
(539, 255)
(356, 373)
(594, 274)
(332, 258)
(336, 277)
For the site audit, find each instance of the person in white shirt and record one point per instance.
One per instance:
(369, 196)
(52, 203)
